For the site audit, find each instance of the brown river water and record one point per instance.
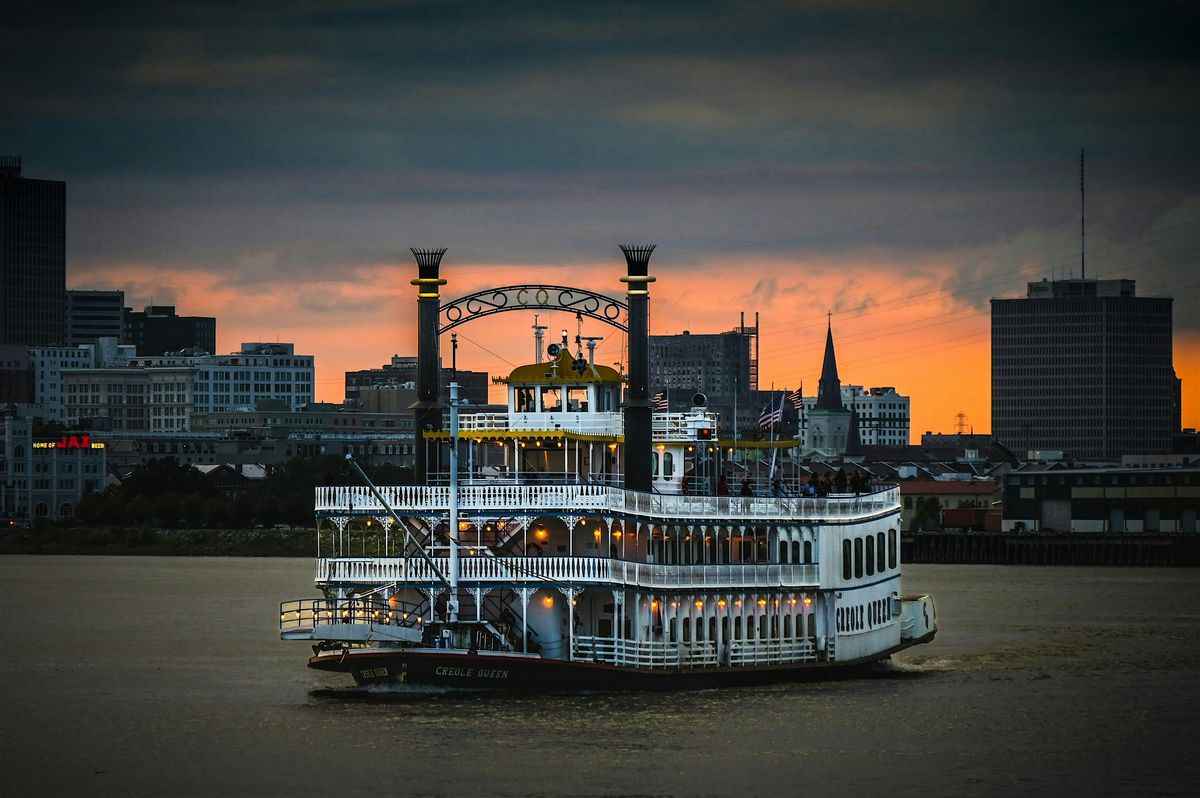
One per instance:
(146, 676)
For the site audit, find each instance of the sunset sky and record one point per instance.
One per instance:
(270, 164)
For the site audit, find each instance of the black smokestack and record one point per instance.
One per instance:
(427, 410)
(638, 409)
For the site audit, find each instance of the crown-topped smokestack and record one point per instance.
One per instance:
(427, 410)
(638, 408)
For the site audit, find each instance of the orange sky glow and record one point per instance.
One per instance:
(894, 324)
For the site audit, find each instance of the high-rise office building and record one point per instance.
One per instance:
(1083, 366)
(33, 257)
(91, 315)
(402, 372)
(722, 366)
(156, 330)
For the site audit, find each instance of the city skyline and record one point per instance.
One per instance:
(898, 167)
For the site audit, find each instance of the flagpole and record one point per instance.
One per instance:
(735, 418)
(771, 407)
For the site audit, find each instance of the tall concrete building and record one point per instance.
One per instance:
(91, 315)
(401, 373)
(33, 257)
(722, 366)
(157, 330)
(1084, 366)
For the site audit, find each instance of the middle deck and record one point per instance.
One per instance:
(492, 499)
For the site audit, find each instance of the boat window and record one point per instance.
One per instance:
(858, 557)
(808, 553)
(846, 559)
(668, 461)
(523, 400)
(795, 551)
(577, 399)
(783, 551)
(671, 630)
(881, 552)
(551, 399)
(891, 548)
(870, 555)
(654, 463)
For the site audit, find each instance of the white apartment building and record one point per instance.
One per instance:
(160, 393)
(259, 371)
(139, 398)
(883, 414)
(49, 363)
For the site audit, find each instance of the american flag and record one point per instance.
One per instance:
(772, 413)
(796, 397)
(659, 400)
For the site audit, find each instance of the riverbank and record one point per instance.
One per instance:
(116, 540)
(1075, 548)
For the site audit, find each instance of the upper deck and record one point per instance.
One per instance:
(666, 426)
(582, 499)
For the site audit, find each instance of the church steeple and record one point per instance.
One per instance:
(829, 391)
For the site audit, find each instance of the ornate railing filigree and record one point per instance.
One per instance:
(533, 297)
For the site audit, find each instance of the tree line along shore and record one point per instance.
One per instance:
(167, 508)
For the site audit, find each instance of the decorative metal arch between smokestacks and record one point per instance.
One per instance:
(533, 297)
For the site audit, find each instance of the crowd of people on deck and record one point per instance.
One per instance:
(814, 485)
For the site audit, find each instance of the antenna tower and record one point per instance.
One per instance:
(539, 332)
(960, 423)
(1082, 228)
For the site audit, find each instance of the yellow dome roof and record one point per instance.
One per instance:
(560, 372)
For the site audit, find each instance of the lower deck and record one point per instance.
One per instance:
(510, 672)
(625, 629)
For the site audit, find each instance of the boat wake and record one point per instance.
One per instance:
(392, 692)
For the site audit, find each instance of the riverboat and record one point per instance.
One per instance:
(558, 547)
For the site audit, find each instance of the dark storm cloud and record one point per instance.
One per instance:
(305, 135)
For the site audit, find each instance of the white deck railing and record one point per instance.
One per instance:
(573, 499)
(546, 571)
(665, 426)
(586, 423)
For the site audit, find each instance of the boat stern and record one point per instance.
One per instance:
(918, 619)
